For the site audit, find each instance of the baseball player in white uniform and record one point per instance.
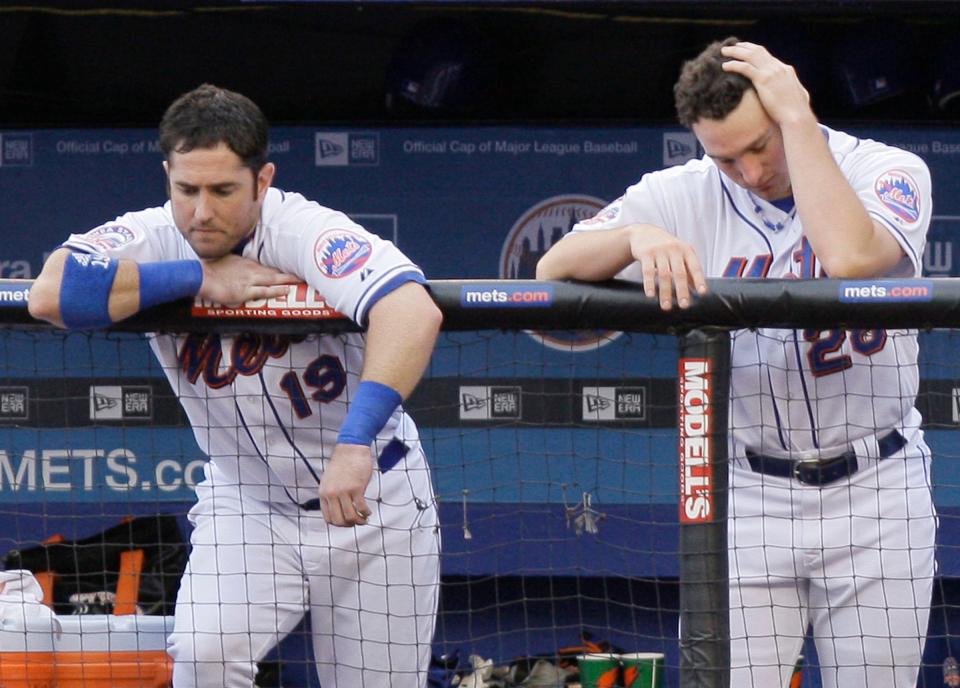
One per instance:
(317, 497)
(832, 521)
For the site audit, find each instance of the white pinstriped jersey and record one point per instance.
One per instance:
(806, 394)
(267, 409)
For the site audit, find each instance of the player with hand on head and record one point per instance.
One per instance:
(317, 497)
(832, 521)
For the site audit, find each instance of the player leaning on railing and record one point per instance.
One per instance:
(832, 520)
(293, 427)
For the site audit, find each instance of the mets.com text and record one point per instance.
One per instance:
(506, 296)
(94, 470)
(906, 292)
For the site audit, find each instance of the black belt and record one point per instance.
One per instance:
(390, 456)
(822, 471)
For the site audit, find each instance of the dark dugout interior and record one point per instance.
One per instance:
(87, 63)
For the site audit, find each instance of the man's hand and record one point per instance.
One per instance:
(667, 263)
(233, 280)
(777, 85)
(345, 479)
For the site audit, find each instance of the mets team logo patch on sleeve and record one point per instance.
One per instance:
(339, 253)
(606, 215)
(109, 237)
(900, 193)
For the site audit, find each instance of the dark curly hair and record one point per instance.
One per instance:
(209, 115)
(704, 90)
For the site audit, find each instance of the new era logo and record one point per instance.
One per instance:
(327, 149)
(614, 403)
(113, 402)
(137, 402)
(594, 404)
(471, 402)
(14, 403)
(678, 147)
(16, 149)
(505, 402)
(490, 403)
(631, 403)
(342, 148)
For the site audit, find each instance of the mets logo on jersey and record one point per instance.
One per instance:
(539, 228)
(611, 212)
(109, 237)
(899, 192)
(340, 253)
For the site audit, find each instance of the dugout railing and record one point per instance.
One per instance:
(703, 332)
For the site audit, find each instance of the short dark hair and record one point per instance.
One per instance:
(209, 115)
(705, 90)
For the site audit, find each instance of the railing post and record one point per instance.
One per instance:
(702, 401)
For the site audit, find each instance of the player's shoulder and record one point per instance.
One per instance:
(291, 225)
(153, 226)
(292, 212)
(158, 218)
(846, 146)
(692, 177)
(694, 171)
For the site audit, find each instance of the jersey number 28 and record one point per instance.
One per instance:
(824, 355)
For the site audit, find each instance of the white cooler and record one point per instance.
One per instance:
(90, 651)
(111, 633)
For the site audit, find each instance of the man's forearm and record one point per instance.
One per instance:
(835, 221)
(402, 332)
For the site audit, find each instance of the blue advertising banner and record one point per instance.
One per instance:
(463, 202)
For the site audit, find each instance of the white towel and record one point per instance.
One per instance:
(21, 603)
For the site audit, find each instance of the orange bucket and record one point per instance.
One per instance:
(26, 670)
(124, 669)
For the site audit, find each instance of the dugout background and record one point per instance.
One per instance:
(82, 85)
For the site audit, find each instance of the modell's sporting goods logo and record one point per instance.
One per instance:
(300, 301)
(340, 253)
(539, 228)
(900, 193)
(696, 473)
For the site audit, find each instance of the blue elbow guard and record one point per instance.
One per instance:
(85, 290)
(370, 410)
(169, 281)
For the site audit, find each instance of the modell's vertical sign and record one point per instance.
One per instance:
(696, 472)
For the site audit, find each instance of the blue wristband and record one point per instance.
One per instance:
(85, 290)
(370, 410)
(169, 281)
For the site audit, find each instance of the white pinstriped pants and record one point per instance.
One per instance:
(255, 569)
(854, 558)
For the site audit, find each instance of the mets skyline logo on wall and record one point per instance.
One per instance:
(537, 229)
